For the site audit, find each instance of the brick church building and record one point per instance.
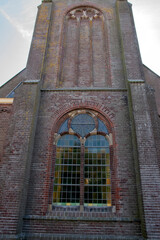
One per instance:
(80, 130)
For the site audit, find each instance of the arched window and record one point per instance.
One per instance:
(82, 172)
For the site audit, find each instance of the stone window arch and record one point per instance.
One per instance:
(82, 169)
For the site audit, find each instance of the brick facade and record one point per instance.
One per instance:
(84, 56)
(5, 111)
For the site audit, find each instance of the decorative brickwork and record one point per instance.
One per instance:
(84, 59)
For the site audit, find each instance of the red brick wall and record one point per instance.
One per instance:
(36, 56)
(113, 105)
(153, 80)
(100, 229)
(5, 116)
(15, 165)
(143, 124)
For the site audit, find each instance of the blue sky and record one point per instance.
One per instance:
(17, 20)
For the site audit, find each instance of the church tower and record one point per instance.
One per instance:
(79, 135)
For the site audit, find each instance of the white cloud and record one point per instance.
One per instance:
(26, 34)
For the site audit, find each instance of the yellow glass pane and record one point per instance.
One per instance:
(108, 196)
(107, 161)
(109, 204)
(58, 150)
(108, 181)
(86, 181)
(66, 155)
(59, 180)
(54, 196)
(108, 174)
(70, 149)
(108, 169)
(108, 189)
(107, 155)
(104, 196)
(68, 204)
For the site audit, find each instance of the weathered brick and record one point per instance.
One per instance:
(89, 63)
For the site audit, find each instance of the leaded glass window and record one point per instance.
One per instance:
(83, 124)
(82, 174)
(102, 127)
(97, 188)
(64, 127)
(67, 171)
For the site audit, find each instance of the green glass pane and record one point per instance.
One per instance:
(55, 180)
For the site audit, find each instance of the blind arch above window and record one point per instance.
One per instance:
(85, 50)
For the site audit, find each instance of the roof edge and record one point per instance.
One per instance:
(151, 70)
(12, 78)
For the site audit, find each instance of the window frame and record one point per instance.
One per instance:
(108, 136)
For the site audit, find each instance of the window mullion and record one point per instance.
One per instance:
(82, 178)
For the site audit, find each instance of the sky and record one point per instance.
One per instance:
(17, 19)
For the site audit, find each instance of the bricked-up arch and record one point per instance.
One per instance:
(98, 131)
(84, 58)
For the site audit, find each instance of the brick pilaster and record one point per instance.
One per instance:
(145, 154)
